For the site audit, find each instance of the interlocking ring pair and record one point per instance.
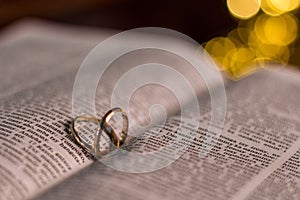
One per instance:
(116, 139)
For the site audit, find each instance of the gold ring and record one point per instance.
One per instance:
(84, 118)
(117, 139)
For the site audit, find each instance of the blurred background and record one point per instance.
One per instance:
(241, 35)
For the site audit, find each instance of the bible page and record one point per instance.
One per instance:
(37, 77)
(255, 157)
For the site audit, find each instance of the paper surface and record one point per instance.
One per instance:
(38, 71)
(258, 149)
(257, 156)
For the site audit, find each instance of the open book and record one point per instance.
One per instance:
(256, 157)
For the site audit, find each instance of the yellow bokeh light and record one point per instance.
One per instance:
(275, 54)
(218, 48)
(278, 7)
(258, 41)
(268, 7)
(245, 27)
(259, 28)
(276, 30)
(238, 36)
(240, 63)
(280, 30)
(243, 9)
(285, 5)
(266, 53)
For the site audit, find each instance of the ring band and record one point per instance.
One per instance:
(103, 125)
(117, 139)
(84, 118)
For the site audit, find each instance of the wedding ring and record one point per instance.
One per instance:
(74, 131)
(116, 139)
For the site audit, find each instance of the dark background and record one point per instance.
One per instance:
(201, 20)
